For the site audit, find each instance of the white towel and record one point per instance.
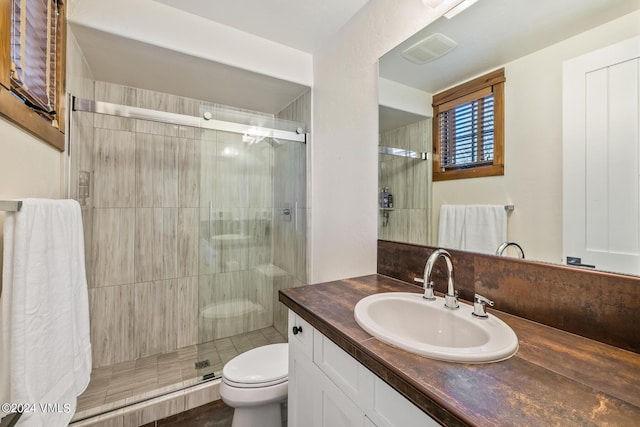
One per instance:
(475, 228)
(45, 354)
(451, 229)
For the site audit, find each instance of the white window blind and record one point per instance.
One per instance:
(33, 52)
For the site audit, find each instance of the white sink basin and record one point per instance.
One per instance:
(427, 328)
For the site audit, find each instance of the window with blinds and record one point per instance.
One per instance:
(33, 52)
(32, 66)
(468, 135)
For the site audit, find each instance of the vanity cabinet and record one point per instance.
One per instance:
(327, 387)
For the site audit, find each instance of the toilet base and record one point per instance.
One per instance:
(255, 406)
(264, 415)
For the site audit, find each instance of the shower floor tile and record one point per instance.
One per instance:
(125, 383)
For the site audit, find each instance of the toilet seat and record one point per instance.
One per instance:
(261, 367)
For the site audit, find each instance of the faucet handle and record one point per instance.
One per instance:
(479, 305)
(428, 289)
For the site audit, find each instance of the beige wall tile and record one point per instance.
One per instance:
(112, 329)
(232, 181)
(188, 172)
(154, 317)
(156, 244)
(146, 241)
(112, 247)
(208, 173)
(188, 241)
(186, 312)
(156, 171)
(114, 166)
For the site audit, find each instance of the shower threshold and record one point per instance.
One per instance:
(123, 384)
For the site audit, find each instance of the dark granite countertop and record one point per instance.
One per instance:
(556, 378)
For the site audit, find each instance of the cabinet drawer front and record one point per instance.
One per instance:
(302, 338)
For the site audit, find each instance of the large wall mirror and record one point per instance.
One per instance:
(532, 41)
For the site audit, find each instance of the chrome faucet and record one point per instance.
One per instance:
(451, 297)
(505, 245)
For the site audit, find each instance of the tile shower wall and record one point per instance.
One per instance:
(406, 179)
(290, 191)
(181, 232)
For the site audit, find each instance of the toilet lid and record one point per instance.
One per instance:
(259, 367)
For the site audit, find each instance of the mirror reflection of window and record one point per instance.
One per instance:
(468, 132)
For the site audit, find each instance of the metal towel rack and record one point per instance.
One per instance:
(509, 208)
(10, 205)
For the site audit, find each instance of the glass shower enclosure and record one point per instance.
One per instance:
(195, 216)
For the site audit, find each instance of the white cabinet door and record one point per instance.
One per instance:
(335, 408)
(601, 158)
(303, 374)
(303, 388)
(345, 371)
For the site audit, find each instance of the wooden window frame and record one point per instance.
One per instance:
(495, 81)
(15, 110)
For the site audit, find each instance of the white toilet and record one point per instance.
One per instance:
(255, 383)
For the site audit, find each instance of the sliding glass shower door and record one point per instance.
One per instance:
(252, 238)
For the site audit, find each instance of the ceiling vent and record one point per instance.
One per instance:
(429, 49)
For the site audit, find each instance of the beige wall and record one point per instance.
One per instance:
(533, 145)
(28, 168)
(344, 153)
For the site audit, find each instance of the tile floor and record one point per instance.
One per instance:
(125, 383)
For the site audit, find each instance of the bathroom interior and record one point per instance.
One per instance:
(204, 198)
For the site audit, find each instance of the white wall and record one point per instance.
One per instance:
(157, 24)
(344, 157)
(404, 98)
(28, 168)
(533, 145)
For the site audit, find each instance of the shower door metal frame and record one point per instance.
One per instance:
(111, 109)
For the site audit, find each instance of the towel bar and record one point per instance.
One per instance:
(10, 205)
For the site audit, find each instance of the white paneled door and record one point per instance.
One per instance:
(601, 159)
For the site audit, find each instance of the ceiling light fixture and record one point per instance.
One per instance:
(459, 8)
